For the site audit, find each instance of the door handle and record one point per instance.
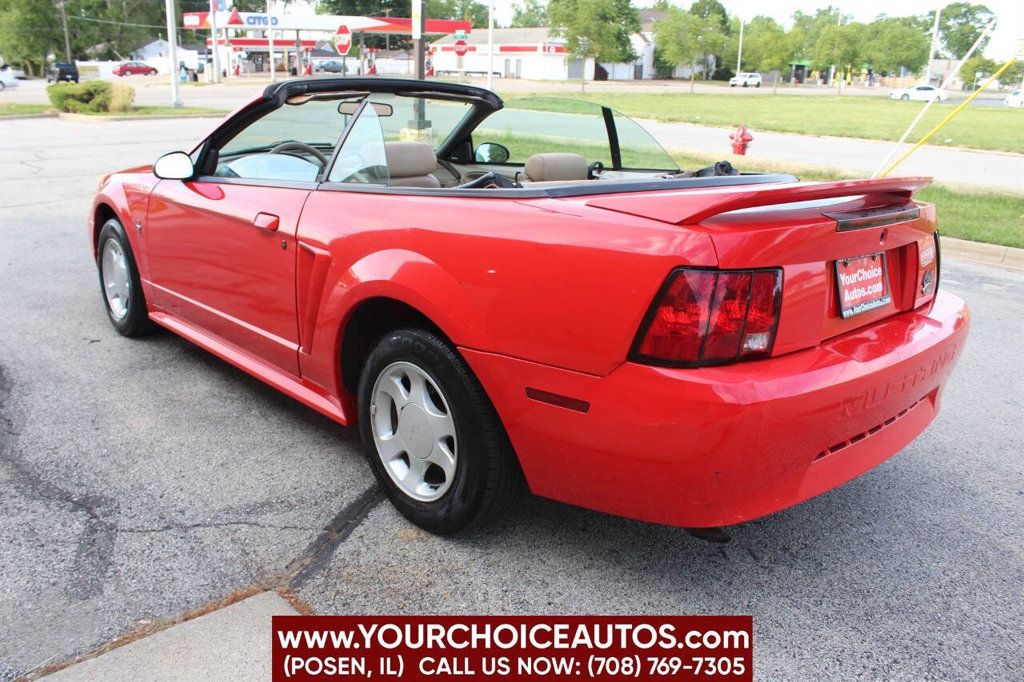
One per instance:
(267, 221)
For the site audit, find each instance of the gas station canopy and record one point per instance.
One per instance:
(255, 21)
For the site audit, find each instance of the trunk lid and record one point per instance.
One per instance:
(805, 228)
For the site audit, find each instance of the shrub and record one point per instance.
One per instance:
(121, 97)
(87, 97)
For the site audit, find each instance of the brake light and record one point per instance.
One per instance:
(927, 269)
(711, 317)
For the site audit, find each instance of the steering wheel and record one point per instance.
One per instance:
(286, 147)
(594, 170)
(491, 180)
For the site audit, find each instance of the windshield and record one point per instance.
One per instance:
(534, 125)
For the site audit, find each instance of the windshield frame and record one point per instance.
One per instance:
(463, 134)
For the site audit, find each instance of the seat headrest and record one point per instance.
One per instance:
(410, 159)
(556, 166)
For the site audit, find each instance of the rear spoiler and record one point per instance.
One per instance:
(694, 206)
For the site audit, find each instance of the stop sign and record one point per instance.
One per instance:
(342, 40)
(461, 48)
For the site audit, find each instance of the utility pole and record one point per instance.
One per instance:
(270, 43)
(216, 39)
(934, 46)
(739, 53)
(172, 51)
(67, 37)
(490, 45)
(387, 36)
(418, 44)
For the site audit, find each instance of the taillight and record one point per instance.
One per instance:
(711, 317)
(927, 269)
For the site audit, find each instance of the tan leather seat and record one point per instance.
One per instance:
(555, 166)
(411, 164)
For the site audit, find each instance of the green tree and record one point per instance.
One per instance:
(29, 30)
(838, 46)
(807, 29)
(960, 24)
(976, 69)
(529, 13)
(677, 38)
(1013, 75)
(711, 11)
(766, 47)
(595, 29)
(893, 42)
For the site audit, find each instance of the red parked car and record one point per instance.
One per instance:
(133, 69)
(536, 292)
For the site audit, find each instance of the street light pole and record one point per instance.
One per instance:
(490, 45)
(270, 43)
(739, 53)
(67, 38)
(216, 37)
(419, 46)
(172, 51)
(934, 46)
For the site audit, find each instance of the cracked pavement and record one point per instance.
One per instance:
(143, 479)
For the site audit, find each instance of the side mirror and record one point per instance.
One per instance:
(491, 152)
(174, 166)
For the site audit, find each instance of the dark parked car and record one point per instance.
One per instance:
(61, 71)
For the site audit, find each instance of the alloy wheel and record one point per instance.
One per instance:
(414, 431)
(117, 282)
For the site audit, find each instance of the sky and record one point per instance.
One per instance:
(1009, 30)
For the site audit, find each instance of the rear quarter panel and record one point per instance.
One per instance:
(540, 279)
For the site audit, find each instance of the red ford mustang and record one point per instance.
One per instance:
(537, 292)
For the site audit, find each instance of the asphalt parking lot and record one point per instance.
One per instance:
(142, 479)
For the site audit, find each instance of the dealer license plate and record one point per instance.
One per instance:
(863, 284)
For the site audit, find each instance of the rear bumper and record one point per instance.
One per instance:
(719, 446)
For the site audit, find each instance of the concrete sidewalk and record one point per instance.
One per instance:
(232, 643)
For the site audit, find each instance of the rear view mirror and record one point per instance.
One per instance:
(349, 107)
(174, 166)
(491, 152)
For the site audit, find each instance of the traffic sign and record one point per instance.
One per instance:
(461, 47)
(343, 40)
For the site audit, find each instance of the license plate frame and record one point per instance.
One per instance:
(850, 302)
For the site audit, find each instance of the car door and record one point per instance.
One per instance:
(221, 248)
(222, 257)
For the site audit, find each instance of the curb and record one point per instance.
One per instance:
(987, 254)
(24, 117)
(99, 118)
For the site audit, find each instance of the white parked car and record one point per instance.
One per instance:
(1015, 99)
(7, 79)
(921, 93)
(744, 79)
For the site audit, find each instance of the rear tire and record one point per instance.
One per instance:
(120, 285)
(433, 438)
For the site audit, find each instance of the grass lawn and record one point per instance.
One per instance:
(991, 217)
(165, 111)
(874, 118)
(17, 109)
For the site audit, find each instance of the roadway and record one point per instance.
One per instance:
(145, 478)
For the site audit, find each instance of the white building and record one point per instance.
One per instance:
(536, 54)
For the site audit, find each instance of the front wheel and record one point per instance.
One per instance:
(434, 441)
(905, 97)
(120, 283)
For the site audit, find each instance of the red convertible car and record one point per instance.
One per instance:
(535, 292)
